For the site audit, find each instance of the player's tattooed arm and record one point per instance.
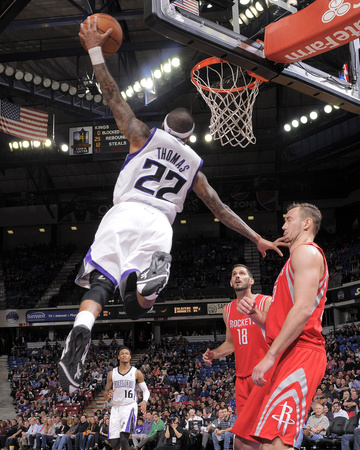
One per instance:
(135, 131)
(227, 216)
(211, 199)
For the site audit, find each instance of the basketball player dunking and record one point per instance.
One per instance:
(121, 389)
(130, 251)
(244, 338)
(276, 412)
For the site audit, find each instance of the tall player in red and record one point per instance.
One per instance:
(293, 332)
(244, 338)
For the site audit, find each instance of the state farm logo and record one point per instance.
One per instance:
(336, 8)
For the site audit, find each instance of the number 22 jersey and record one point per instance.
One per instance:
(160, 174)
(249, 340)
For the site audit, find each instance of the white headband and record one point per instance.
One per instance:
(176, 133)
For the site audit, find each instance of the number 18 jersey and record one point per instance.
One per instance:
(249, 339)
(160, 174)
(125, 387)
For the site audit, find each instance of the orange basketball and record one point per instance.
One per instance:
(104, 22)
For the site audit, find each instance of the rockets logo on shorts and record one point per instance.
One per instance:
(287, 405)
(285, 417)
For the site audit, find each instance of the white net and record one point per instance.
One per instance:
(230, 93)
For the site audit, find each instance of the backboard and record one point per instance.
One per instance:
(235, 30)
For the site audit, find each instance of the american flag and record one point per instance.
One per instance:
(190, 5)
(25, 123)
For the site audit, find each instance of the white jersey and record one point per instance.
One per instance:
(125, 387)
(160, 174)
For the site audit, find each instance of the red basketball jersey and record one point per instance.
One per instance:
(249, 340)
(283, 301)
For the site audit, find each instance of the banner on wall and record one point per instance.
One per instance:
(81, 141)
(216, 308)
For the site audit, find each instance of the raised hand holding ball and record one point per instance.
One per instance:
(103, 23)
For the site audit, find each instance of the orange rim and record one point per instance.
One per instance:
(215, 60)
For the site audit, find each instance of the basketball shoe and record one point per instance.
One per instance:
(71, 366)
(150, 281)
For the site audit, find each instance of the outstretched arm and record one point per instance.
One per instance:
(135, 131)
(227, 216)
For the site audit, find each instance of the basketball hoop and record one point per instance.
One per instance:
(230, 93)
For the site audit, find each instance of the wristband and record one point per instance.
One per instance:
(96, 56)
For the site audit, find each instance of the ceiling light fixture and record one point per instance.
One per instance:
(64, 87)
(19, 75)
(157, 73)
(129, 91)
(28, 77)
(259, 7)
(167, 67)
(175, 62)
(47, 82)
(9, 71)
(137, 86)
(37, 80)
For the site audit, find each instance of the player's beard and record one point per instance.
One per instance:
(242, 288)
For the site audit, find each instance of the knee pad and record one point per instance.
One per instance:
(132, 308)
(101, 288)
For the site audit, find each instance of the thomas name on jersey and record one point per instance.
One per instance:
(173, 157)
(240, 322)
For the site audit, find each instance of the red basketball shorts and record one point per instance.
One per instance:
(279, 408)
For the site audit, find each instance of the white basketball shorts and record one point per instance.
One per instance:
(122, 420)
(125, 241)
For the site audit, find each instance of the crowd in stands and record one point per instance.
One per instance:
(28, 272)
(201, 398)
(200, 268)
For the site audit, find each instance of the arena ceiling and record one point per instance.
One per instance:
(319, 160)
